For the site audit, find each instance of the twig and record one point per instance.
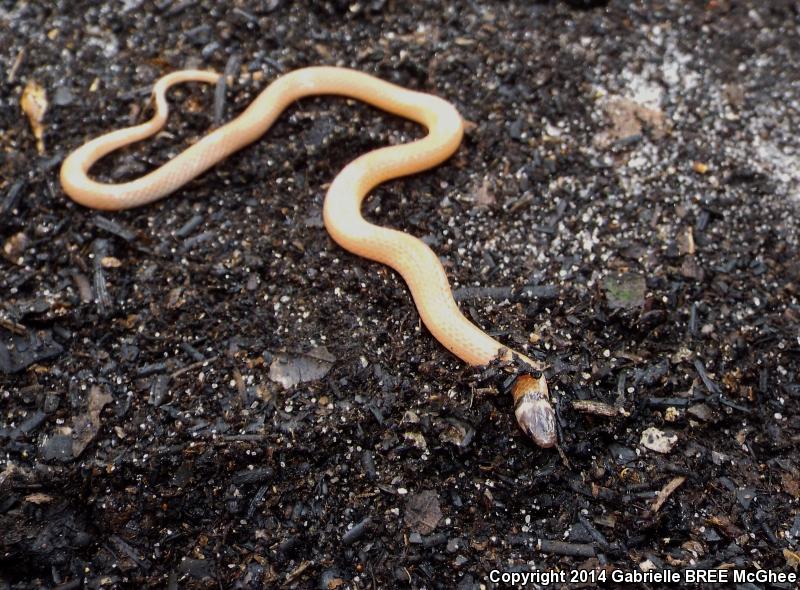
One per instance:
(666, 492)
(562, 548)
(293, 575)
(355, 533)
(14, 327)
(196, 365)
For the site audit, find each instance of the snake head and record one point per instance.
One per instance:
(533, 410)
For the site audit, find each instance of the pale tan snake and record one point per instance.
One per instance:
(415, 261)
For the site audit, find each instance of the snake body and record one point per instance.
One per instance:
(414, 260)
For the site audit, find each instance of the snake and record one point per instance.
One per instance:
(416, 262)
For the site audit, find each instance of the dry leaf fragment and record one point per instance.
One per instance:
(86, 426)
(685, 240)
(423, 512)
(791, 484)
(629, 119)
(482, 195)
(34, 105)
(291, 369)
(792, 558)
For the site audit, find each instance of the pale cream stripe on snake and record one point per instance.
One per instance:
(416, 262)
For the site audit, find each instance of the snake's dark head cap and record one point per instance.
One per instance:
(533, 410)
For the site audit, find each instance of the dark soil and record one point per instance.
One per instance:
(624, 206)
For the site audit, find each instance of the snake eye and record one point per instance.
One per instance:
(533, 410)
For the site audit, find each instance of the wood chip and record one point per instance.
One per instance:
(563, 548)
(13, 326)
(658, 440)
(38, 498)
(594, 407)
(110, 262)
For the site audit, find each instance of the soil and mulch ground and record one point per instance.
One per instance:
(208, 393)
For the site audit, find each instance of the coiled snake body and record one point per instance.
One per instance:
(416, 262)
